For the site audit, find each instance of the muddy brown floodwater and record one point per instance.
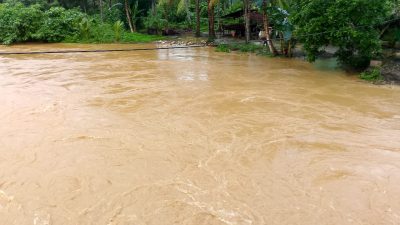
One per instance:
(191, 136)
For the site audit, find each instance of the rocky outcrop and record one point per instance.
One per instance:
(391, 71)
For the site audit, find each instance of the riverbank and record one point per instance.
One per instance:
(386, 70)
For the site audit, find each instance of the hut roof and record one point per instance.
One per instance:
(255, 16)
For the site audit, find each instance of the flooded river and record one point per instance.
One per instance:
(191, 136)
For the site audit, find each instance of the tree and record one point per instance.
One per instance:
(135, 14)
(197, 18)
(280, 11)
(246, 6)
(264, 8)
(128, 15)
(211, 19)
(187, 9)
(351, 25)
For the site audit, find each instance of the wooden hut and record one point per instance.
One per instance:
(233, 24)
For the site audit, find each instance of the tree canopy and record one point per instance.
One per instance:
(350, 25)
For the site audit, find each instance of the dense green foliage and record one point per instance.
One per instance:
(58, 23)
(13, 23)
(350, 25)
(20, 23)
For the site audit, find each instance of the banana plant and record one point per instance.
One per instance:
(263, 5)
(118, 28)
(279, 11)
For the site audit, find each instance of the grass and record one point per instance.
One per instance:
(252, 48)
(126, 37)
(139, 38)
(105, 33)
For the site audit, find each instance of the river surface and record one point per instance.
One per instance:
(192, 136)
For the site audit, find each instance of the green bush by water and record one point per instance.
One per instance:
(19, 23)
(252, 48)
(107, 33)
(58, 23)
(223, 48)
(372, 75)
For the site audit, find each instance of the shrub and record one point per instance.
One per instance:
(60, 23)
(351, 25)
(223, 48)
(373, 75)
(19, 23)
(258, 49)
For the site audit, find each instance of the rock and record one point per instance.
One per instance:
(391, 71)
(396, 55)
(397, 45)
(386, 44)
(376, 63)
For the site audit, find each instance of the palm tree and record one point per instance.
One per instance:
(134, 14)
(128, 15)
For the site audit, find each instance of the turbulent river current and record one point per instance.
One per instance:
(192, 136)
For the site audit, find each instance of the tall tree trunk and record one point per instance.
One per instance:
(197, 18)
(109, 4)
(282, 42)
(128, 16)
(211, 29)
(246, 4)
(271, 47)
